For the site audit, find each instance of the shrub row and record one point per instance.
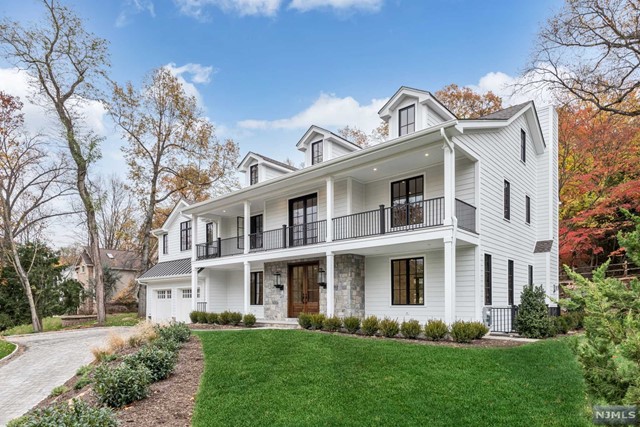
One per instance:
(434, 330)
(76, 414)
(225, 318)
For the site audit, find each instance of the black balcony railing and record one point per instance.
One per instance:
(207, 250)
(466, 215)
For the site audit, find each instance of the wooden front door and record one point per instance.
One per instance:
(304, 293)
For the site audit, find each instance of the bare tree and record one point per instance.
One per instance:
(30, 180)
(360, 138)
(67, 62)
(590, 50)
(117, 215)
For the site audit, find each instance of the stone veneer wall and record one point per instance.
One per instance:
(348, 284)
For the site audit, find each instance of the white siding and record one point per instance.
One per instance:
(340, 198)
(270, 173)
(357, 196)
(465, 180)
(338, 150)
(379, 192)
(278, 209)
(174, 239)
(466, 284)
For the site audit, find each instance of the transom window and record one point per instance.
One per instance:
(406, 200)
(165, 244)
(256, 287)
(316, 152)
(185, 235)
(253, 174)
(407, 118)
(407, 276)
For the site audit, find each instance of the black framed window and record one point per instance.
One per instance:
(527, 209)
(240, 231)
(256, 287)
(406, 199)
(316, 153)
(303, 217)
(255, 234)
(209, 232)
(488, 285)
(407, 120)
(523, 145)
(185, 235)
(507, 199)
(531, 275)
(407, 277)
(165, 244)
(510, 281)
(253, 174)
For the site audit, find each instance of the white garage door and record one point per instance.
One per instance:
(184, 305)
(162, 305)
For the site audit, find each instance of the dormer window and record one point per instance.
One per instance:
(407, 118)
(316, 153)
(253, 174)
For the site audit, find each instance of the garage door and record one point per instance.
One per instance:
(184, 305)
(162, 305)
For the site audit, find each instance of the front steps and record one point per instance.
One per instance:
(278, 324)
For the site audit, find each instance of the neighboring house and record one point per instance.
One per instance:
(126, 264)
(447, 219)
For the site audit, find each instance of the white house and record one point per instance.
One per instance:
(447, 219)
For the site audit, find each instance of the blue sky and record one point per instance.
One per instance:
(264, 70)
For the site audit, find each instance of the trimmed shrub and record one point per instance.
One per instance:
(304, 320)
(389, 327)
(370, 325)
(177, 331)
(351, 324)
(201, 317)
(249, 320)
(57, 391)
(533, 319)
(193, 316)
(235, 318)
(332, 324)
(436, 330)
(480, 330)
(224, 318)
(76, 414)
(317, 319)
(212, 318)
(463, 332)
(561, 324)
(121, 385)
(158, 361)
(410, 329)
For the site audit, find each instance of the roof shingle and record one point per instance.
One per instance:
(178, 267)
(506, 113)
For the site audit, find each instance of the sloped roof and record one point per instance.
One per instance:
(115, 259)
(543, 246)
(505, 113)
(267, 159)
(178, 267)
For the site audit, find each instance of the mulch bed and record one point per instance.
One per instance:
(170, 401)
(203, 326)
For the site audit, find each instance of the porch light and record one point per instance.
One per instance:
(278, 280)
(322, 278)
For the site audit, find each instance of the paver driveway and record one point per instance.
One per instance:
(49, 360)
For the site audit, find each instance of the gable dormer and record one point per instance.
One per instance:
(258, 168)
(320, 145)
(410, 110)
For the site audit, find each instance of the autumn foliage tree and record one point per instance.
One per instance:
(466, 103)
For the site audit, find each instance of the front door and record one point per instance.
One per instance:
(304, 293)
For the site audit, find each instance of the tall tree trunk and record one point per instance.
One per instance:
(147, 225)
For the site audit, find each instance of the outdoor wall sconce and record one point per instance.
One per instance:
(278, 281)
(322, 278)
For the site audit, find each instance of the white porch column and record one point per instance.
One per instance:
(449, 280)
(247, 225)
(194, 288)
(330, 209)
(449, 180)
(247, 286)
(331, 292)
(194, 237)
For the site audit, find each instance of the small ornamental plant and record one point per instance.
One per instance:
(304, 320)
(410, 329)
(317, 320)
(332, 324)
(389, 327)
(370, 326)
(351, 324)
(249, 320)
(435, 330)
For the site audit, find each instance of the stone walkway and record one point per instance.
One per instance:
(49, 359)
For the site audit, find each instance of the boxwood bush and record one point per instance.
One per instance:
(121, 385)
(201, 317)
(389, 327)
(235, 318)
(304, 320)
(193, 316)
(351, 324)
(76, 414)
(370, 325)
(317, 319)
(332, 324)
(435, 330)
(410, 329)
(160, 362)
(463, 332)
(212, 318)
(224, 318)
(249, 320)
(480, 330)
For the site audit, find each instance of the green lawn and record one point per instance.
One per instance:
(298, 378)
(55, 324)
(6, 348)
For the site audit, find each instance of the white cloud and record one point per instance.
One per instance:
(190, 75)
(338, 5)
(510, 89)
(198, 8)
(327, 111)
(133, 7)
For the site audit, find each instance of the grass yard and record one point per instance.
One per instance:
(6, 348)
(298, 378)
(55, 324)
